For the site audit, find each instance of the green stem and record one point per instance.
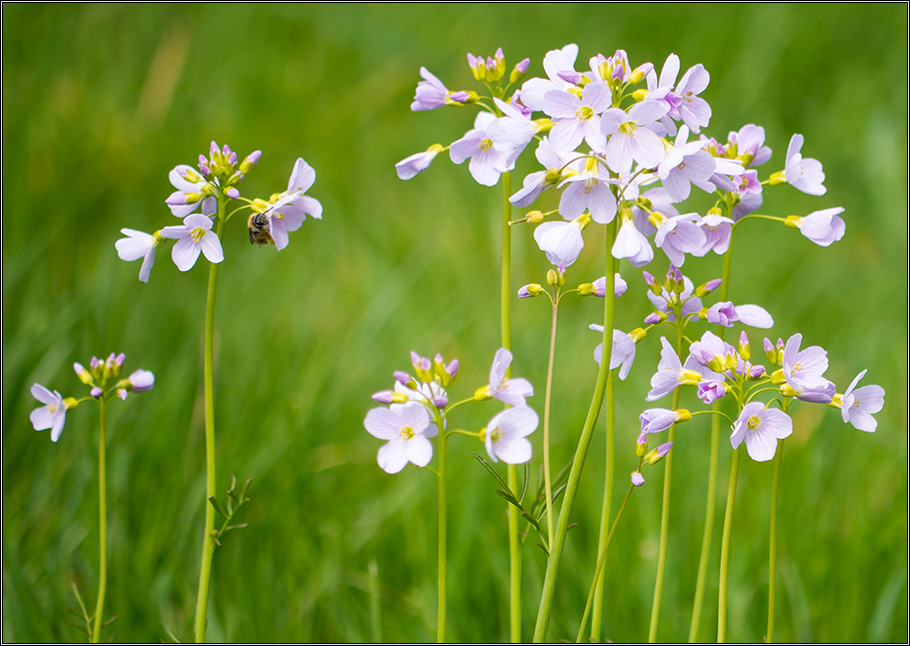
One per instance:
(102, 523)
(441, 581)
(208, 544)
(584, 441)
(725, 550)
(597, 617)
(600, 563)
(505, 299)
(664, 519)
(547, 479)
(772, 557)
(712, 474)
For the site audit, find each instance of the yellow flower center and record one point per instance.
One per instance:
(754, 422)
(584, 113)
(197, 234)
(51, 408)
(406, 433)
(486, 144)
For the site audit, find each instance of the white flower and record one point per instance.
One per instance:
(138, 245)
(504, 437)
(291, 207)
(803, 174)
(406, 429)
(509, 391)
(193, 236)
(50, 416)
(857, 406)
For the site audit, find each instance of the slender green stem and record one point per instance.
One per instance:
(512, 471)
(102, 522)
(712, 475)
(597, 616)
(772, 539)
(600, 563)
(709, 526)
(441, 581)
(547, 479)
(208, 544)
(584, 441)
(664, 519)
(725, 550)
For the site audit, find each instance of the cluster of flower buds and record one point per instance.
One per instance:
(102, 376)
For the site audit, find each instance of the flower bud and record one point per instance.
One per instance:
(744, 349)
(423, 367)
(586, 289)
(519, 70)
(530, 290)
(97, 392)
(533, 217)
(250, 161)
(83, 374)
(770, 351)
(70, 403)
(707, 288)
(482, 394)
(552, 277)
(641, 445)
(637, 334)
(658, 454)
(637, 479)
(780, 177)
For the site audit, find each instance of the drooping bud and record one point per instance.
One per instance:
(530, 290)
(658, 454)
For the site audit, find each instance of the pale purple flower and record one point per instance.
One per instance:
(561, 241)
(622, 353)
(692, 109)
(803, 174)
(717, 230)
(516, 126)
(556, 63)
(139, 381)
(670, 373)
(504, 435)
(760, 427)
(138, 245)
(655, 420)
(50, 416)
(684, 165)
(418, 162)
(488, 147)
(290, 208)
(509, 391)
(406, 430)
(536, 183)
(821, 227)
(577, 118)
(804, 372)
(589, 190)
(749, 142)
(722, 313)
(857, 406)
(680, 235)
(619, 286)
(195, 235)
(430, 94)
(193, 191)
(629, 136)
(710, 391)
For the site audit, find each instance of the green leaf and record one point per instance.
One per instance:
(486, 465)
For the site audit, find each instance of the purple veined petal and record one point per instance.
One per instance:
(534, 185)
(618, 153)
(42, 418)
(646, 112)
(184, 253)
(572, 202)
(415, 416)
(419, 450)
(501, 362)
(567, 134)
(754, 316)
(560, 104)
(177, 177)
(484, 168)
(383, 424)
(135, 246)
(146, 269)
(611, 120)
(602, 204)
(466, 147)
(211, 247)
(279, 234)
(514, 450)
(393, 457)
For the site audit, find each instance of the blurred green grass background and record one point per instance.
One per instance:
(101, 101)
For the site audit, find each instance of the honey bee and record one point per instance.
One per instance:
(258, 224)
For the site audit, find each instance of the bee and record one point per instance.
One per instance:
(258, 224)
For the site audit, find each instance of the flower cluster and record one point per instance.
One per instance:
(717, 369)
(100, 375)
(418, 406)
(615, 147)
(200, 199)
